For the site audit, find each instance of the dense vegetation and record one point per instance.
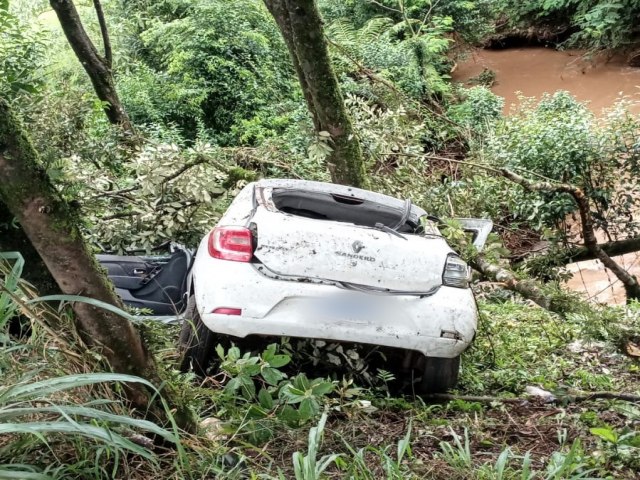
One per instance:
(215, 101)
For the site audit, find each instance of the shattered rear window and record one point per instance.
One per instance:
(339, 208)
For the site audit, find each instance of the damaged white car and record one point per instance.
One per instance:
(316, 260)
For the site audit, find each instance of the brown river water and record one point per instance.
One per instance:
(534, 71)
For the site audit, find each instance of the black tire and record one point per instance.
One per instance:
(196, 342)
(437, 375)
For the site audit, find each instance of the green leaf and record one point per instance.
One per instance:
(269, 352)
(233, 384)
(278, 361)
(87, 412)
(309, 407)
(289, 415)
(322, 388)
(17, 474)
(87, 300)
(301, 382)
(58, 384)
(220, 351)
(272, 376)
(265, 399)
(606, 434)
(291, 394)
(233, 354)
(108, 437)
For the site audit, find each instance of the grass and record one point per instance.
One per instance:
(359, 433)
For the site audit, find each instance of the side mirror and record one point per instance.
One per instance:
(480, 228)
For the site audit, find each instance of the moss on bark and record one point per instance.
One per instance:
(52, 228)
(301, 25)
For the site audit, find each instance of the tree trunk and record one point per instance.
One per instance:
(301, 26)
(13, 239)
(97, 67)
(278, 9)
(52, 228)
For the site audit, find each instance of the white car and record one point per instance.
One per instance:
(316, 260)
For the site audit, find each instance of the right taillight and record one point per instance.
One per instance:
(231, 243)
(456, 272)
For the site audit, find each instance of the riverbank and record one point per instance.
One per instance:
(601, 81)
(534, 71)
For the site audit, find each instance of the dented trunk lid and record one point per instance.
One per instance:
(295, 246)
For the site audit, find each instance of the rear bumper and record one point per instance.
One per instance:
(283, 308)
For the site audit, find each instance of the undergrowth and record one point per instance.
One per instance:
(261, 417)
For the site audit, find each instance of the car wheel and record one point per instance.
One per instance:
(196, 342)
(436, 374)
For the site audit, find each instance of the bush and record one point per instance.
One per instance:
(478, 110)
(222, 63)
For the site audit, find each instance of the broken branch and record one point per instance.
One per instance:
(582, 397)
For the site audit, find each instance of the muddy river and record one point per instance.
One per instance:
(534, 71)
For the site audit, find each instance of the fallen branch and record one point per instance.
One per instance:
(581, 253)
(583, 397)
(529, 289)
(582, 201)
(631, 286)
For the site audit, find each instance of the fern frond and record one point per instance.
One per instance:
(343, 32)
(374, 29)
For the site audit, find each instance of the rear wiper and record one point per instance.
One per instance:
(405, 215)
(384, 228)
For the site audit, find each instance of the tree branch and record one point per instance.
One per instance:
(580, 253)
(632, 288)
(108, 53)
(583, 397)
(527, 288)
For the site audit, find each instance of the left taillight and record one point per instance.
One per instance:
(231, 243)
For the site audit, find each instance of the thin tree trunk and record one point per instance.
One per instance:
(97, 67)
(52, 228)
(301, 26)
(278, 10)
(104, 31)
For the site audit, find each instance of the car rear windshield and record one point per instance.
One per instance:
(339, 208)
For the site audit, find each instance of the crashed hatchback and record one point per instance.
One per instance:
(316, 260)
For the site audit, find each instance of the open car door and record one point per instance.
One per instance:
(479, 228)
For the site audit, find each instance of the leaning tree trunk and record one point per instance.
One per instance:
(301, 26)
(13, 239)
(97, 67)
(52, 228)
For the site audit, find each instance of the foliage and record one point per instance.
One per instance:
(12, 274)
(295, 401)
(218, 63)
(211, 90)
(479, 109)
(412, 56)
(22, 51)
(561, 140)
(63, 410)
(599, 25)
(23, 414)
(471, 19)
(307, 467)
(165, 192)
